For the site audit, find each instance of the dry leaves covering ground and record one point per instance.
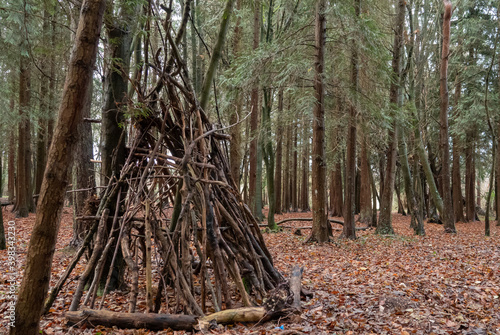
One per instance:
(438, 284)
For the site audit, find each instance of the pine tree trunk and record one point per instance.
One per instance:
(41, 142)
(456, 184)
(34, 286)
(498, 174)
(336, 189)
(279, 156)
(385, 225)
(235, 131)
(254, 120)
(83, 170)
(470, 178)
(286, 177)
(11, 164)
(320, 224)
(365, 201)
(2, 230)
(448, 216)
(304, 190)
(295, 170)
(24, 201)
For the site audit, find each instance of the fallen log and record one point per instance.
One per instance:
(310, 227)
(243, 314)
(308, 219)
(150, 321)
(154, 321)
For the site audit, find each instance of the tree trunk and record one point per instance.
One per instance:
(448, 216)
(235, 132)
(295, 169)
(470, 177)
(365, 201)
(216, 55)
(279, 156)
(2, 230)
(385, 225)
(24, 200)
(320, 224)
(254, 121)
(34, 286)
(268, 152)
(41, 142)
(304, 190)
(11, 164)
(83, 170)
(286, 177)
(456, 184)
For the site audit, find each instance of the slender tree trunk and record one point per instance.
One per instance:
(498, 172)
(304, 190)
(286, 177)
(336, 189)
(470, 177)
(365, 200)
(2, 230)
(448, 214)
(11, 164)
(320, 224)
(113, 130)
(279, 156)
(385, 225)
(456, 184)
(34, 286)
(41, 142)
(268, 152)
(478, 193)
(24, 201)
(216, 55)
(83, 170)
(254, 120)
(397, 188)
(235, 131)
(295, 169)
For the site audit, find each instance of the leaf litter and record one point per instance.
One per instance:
(401, 284)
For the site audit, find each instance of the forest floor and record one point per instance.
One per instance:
(402, 284)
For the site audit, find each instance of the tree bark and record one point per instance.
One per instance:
(24, 200)
(366, 214)
(470, 178)
(41, 142)
(36, 278)
(2, 230)
(216, 54)
(279, 156)
(235, 153)
(11, 164)
(132, 320)
(304, 190)
(286, 177)
(84, 176)
(254, 121)
(448, 216)
(295, 169)
(385, 225)
(319, 231)
(498, 172)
